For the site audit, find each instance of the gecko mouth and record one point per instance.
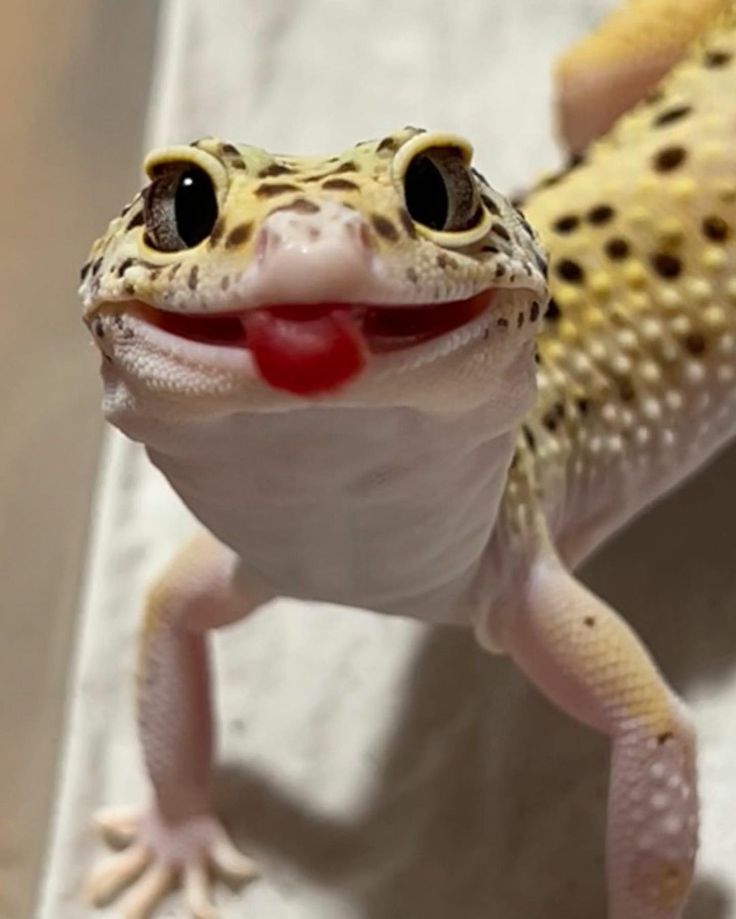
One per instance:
(311, 348)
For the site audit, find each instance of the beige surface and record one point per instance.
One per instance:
(375, 768)
(74, 79)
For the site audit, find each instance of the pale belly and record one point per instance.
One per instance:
(391, 511)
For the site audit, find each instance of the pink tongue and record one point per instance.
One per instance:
(303, 349)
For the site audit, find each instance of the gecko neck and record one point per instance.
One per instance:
(387, 509)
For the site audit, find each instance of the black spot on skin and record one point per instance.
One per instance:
(570, 271)
(666, 265)
(583, 406)
(135, 221)
(493, 249)
(347, 166)
(129, 289)
(553, 311)
(671, 115)
(445, 261)
(388, 145)
(193, 278)
(272, 189)
(490, 204)
(500, 230)
(412, 275)
(542, 265)
(299, 206)
(534, 312)
(714, 59)
(601, 214)
(98, 328)
(384, 227)
(551, 180)
(529, 438)
(229, 150)
(500, 271)
(695, 343)
(273, 170)
(664, 737)
(566, 224)
(239, 235)
(340, 185)
(524, 222)
(625, 389)
(502, 323)
(716, 229)
(237, 163)
(617, 249)
(217, 231)
(554, 416)
(96, 265)
(408, 224)
(669, 158)
(519, 320)
(173, 270)
(589, 621)
(84, 270)
(124, 265)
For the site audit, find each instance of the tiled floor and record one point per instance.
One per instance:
(71, 133)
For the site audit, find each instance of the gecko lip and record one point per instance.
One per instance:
(306, 349)
(382, 328)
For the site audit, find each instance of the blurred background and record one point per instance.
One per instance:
(75, 88)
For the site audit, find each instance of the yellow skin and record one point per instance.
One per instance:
(635, 388)
(610, 70)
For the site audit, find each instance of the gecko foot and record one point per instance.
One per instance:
(158, 855)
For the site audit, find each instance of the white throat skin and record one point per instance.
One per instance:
(390, 509)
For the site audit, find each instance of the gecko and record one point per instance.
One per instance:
(374, 383)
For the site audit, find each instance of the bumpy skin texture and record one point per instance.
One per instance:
(636, 388)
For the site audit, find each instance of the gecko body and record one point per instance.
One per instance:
(333, 362)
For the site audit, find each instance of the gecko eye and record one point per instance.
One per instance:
(440, 191)
(180, 208)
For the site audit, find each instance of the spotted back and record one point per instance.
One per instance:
(636, 373)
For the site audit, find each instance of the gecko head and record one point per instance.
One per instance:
(391, 274)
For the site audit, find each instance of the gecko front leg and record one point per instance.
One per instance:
(585, 658)
(178, 837)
